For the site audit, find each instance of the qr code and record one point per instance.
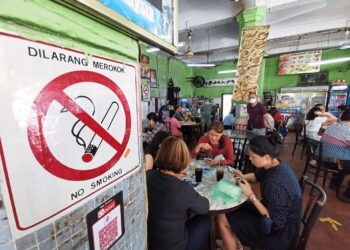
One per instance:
(108, 234)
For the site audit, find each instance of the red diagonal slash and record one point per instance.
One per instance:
(80, 113)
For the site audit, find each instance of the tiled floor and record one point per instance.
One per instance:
(323, 236)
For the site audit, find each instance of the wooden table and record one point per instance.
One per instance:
(205, 189)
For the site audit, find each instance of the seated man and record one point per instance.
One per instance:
(178, 114)
(229, 119)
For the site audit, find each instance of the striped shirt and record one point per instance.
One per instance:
(158, 127)
(336, 141)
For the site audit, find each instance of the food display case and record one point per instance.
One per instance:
(337, 95)
(295, 102)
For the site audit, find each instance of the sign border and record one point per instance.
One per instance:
(2, 153)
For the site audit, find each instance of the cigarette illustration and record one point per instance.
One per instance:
(96, 141)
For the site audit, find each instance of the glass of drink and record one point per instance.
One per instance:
(199, 173)
(219, 172)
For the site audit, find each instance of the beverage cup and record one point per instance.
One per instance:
(199, 173)
(219, 173)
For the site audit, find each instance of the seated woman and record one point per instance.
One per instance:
(336, 145)
(169, 200)
(152, 149)
(155, 124)
(314, 122)
(277, 117)
(174, 124)
(274, 222)
(215, 143)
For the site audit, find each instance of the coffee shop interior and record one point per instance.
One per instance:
(207, 68)
(196, 76)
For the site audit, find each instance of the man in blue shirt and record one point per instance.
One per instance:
(229, 120)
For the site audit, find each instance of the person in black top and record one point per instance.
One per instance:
(272, 223)
(170, 199)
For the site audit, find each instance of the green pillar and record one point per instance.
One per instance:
(249, 18)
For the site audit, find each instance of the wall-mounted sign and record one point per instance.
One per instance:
(250, 56)
(296, 63)
(70, 131)
(105, 223)
(223, 82)
(154, 21)
(146, 93)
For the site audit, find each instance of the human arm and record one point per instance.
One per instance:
(247, 190)
(148, 162)
(201, 145)
(249, 177)
(268, 121)
(329, 117)
(195, 202)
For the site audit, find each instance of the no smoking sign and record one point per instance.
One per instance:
(71, 129)
(113, 112)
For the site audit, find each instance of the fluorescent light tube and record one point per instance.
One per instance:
(344, 59)
(201, 65)
(227, 71)
(154, 49)
(180, 44)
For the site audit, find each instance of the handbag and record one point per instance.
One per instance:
(250, 125)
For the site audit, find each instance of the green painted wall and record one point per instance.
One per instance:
(54, 23)
(167, 68)
(336, 71)
(212, 73)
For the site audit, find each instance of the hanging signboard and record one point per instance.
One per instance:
(223, 82)
(250, 56)
(154, 21)
(71, 129)
(302, 62)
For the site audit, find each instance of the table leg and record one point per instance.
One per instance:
(212, 232)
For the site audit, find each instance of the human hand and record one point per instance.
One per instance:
(246, 188)
(212, 162)
(205, 146)
(237, 174)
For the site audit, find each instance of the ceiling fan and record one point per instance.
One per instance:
(189, 52)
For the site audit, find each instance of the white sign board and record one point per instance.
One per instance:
(146, 93)
(223, 82)
(69, 129)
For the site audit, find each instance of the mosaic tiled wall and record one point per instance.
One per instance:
(70, 231)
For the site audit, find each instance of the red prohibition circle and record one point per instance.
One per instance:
(54, 91)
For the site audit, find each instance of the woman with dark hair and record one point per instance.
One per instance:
(272, 223)
(315, 119)
(169, 200)
(155, 124)
(214, 144)
(152, 149)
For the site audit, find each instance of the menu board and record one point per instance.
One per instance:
(296, 63)
(250, 56)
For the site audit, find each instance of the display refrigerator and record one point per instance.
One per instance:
(337, 95)
(296, 101)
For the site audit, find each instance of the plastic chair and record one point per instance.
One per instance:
(300, 137)
(316, 199)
